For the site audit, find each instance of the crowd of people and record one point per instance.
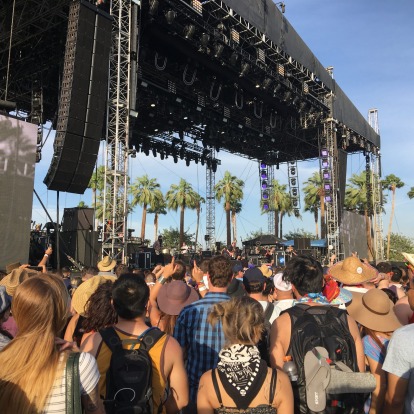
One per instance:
(219, 336)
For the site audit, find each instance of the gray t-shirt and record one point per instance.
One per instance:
(400, 361)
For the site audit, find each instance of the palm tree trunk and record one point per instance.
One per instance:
(316, 216)
(155, 227)
(198, 223)
(228, 223)
(143, 222)
(390, 223)
(323, 221)
(182, 226)
(281, 224)
(368, 233)
(233, 223)
(276, 223)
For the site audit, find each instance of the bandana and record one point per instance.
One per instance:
(313, 297)
(241, 372)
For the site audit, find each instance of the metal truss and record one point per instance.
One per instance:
(117, 140)
(271, 212)
(329, 142)
(293, 179)
(210, 204)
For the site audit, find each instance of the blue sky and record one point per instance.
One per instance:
(370, 45)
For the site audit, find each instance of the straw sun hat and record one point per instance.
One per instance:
(374, 310)
(85, 291)
(106, 264)
(14, 279)
(351, 271)
(265, 269)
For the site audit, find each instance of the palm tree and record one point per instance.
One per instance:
(143, 192)
(411, 193)
(229, 188)
(181, 196)
(158, 207)
(199, 200)
(315, 198)
(391, 182)
(286, 207)
(97, 182)
(314, 209)
(235, 209)
(356, 200)
(278, 202)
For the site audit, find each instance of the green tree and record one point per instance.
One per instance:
(144, 193)
(235, 209)
(391, 182)
(299, 234)
(315, 200)
(356, 200)
(157, 207)
(97, 183)
(229, 189)
(171, 238)
(181, 196)
(279, 202)
(197, 206)
(399, 244)
(411, 193)
(82, 204)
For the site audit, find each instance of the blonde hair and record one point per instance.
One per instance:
(242, 319)
(31, 362)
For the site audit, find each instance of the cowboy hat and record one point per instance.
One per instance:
(266, 270)
(14, 279)
(106, 264)
(12, 266)
(374, 310)
(351, 271)
(85, 291)
(173, 296)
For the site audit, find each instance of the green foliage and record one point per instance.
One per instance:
(411, 193)
(298, 234)
(82, 204)
(392, 182)
(171, 238)
(400, 243)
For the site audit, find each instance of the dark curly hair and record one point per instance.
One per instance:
(99, 310)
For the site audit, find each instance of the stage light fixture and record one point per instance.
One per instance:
(294, 192)
(263, 165)
(324, 153)
(326, 175)
(265, 195)
(325, 164)
(266, 83)
(189, 31)
(292, 170)
(153, 7)
(295, 100)
(175, 159)
(263, 174)
(154, 152)
(234, 58)
(293, 182)
(187, 161)
(327, 187)
(264, 185)
(170, 16)
(204, 39)
(218, 50)
(328, 199)
(245, 67)
(287, 95)
(265, 206)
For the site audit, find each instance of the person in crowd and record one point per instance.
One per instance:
(391, 281)
(168, 297)
(88, 272)
(32, 374)
(241, 380)
(106, 266)
(150, 280)
(283, 292)
(130, 295)
(121, 269)
(5, 304)
(374, 312)
(200, 341)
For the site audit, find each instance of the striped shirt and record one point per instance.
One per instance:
(89, 377)
(201, 341)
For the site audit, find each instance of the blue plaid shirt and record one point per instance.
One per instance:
(199, 338)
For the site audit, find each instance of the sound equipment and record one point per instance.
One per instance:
(82, 103)
(81, 245)
(142, 260)
(206, 254)
(279, 258)
(77, 218)
(301, 243)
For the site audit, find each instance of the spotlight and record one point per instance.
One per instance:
(292, 171)
(245, 67)
(293, 182)
(264, 185)
(214, 165)
(324, 153)
(153, 7)
(265, 206)
(189, 31)
(205, 38)
(294, 192)
(263, 174)
(328, 199)
(263, 165)
(218, 50)
(327, 188)
(170, 15)
(326, 175)
(265, 195)
(325, 164)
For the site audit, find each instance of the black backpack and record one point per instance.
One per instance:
(129, 377)
(264, 343)
(324, 326)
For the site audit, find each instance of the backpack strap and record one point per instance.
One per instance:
(216, 387)
(272, 391)
(150, 337)
(111, 338)
(269, 312)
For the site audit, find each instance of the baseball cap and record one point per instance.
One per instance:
(237, 268)
(280, 284)
(253, 274)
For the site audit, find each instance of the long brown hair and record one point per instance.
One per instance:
(32, 361)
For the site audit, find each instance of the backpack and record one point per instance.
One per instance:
(264, 344)
(129, 377)
(323, 326)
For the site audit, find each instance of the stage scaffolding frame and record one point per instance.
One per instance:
(210, 204)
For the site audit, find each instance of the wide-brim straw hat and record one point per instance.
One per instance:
(266, 270)
(14, 279)
(85, 291)
(374, 310)
(11, 266)
(351, 271)
(106, 264)
(409, 257)
(173, 296)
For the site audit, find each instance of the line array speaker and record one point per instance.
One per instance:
(81, 113)
(77, 218)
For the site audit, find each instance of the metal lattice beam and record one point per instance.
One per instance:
(210, 204)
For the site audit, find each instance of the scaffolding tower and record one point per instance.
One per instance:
(124, 29)
(377, 200)
(271, 212)
(210, 203)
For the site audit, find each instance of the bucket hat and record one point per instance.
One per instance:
(173, 296)
(374, 310)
